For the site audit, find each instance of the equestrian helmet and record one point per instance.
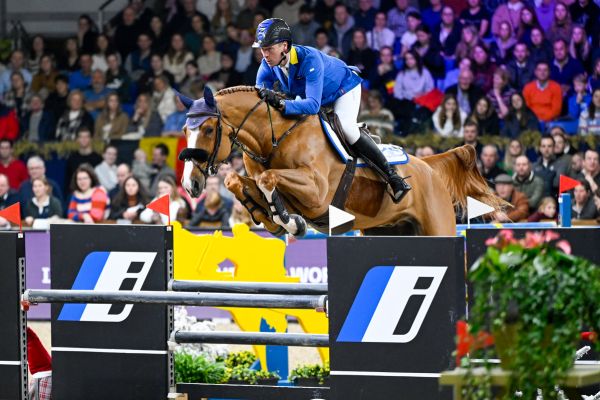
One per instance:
(272, 31)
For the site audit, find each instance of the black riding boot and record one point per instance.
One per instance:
(368, 151)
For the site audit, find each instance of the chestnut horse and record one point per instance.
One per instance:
(291, 159)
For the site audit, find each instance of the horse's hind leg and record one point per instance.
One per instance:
(295, 182)
(248, 193)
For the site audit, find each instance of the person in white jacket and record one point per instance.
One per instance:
(448, 119)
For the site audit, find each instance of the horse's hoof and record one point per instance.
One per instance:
(300, 225)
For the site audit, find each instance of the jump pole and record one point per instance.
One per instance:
(249, 287)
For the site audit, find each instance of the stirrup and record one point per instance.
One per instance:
(398, 195)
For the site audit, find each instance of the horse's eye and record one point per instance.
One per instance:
(208, 130)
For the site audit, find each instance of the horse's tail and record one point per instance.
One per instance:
(458, 170)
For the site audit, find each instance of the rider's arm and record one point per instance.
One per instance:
(264, 77)
(312, 70)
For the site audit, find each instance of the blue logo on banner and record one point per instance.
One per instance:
(382, 300)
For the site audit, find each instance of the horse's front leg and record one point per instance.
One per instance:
(300, 184)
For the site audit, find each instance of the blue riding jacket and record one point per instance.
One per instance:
(318, 79)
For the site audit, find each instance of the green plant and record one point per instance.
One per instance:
(316, 371)
(535, 288)
(197, 369)
(251, 376)
(241, 358)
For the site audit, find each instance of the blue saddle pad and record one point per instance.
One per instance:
(393, 153)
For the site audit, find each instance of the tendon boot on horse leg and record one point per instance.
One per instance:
(292, 223)
(248, 193)
(366, 148)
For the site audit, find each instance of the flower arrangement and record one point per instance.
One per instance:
(534, 290)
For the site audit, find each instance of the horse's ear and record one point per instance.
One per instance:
(209, 99)
(186, 101)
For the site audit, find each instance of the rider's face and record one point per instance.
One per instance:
(273, 54)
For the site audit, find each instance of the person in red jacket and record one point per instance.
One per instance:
(14, 169)
(9, 124)
(543, 95)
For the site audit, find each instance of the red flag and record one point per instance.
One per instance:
(566, 184)
(161, 206)
(13, 214)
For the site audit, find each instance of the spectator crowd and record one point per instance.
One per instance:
(469, 70)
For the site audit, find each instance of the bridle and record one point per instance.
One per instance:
(211, 165)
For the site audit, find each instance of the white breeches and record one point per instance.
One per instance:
(346, 108)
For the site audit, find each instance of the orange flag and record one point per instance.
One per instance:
(161, 206)
(565, 184)
(13, 214)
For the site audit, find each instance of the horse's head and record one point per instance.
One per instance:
(203, 131)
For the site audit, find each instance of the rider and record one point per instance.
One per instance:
(318, 79)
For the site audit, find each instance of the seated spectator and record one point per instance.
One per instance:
(364, 17)
(213, 213)
(16, 64)
(137, 62)
(543, 96)
(360, 54)
(243, 55)
(145, 122)
(477, 16)
(465, 92)
(589, 120)
(595, 78)
(414, 80)
(95, 97)
(107, 169)
(126, 32)
(227, 76)
(9, 123)
(210, 60)
(585, 13)
(432, 15)
(69, 60)
(123, 172)
(192, 39)
(449, 118)
(130, 201)
(231, 44)
(540, 48)
(545, 211)
(74, 118)
(468, 40)
(245, 17)
(380, 36)
(86, 34)
(89, 201)
(590, 171)
(222, 18)
(471, 136)
(103, 49)
(483, 68)
(501, 92)
(525, 181)
(564, 68)
(519, 118)
(562, 146)
(43, 204)
(452, 76)
(117, 79)
(489, 163)
(340, 34)
(113, 121)
(146, 82)
(177, 207)
(409, 37)
(81, 79)
(544, 11)
(397, 17)
(506, 191)
(512, 152)
(485, 117)
(160, 153)
(447, 33)
(379, 120)
(544, 166)
(562, 27)
(579, 46)
(502, 46)
(576, 166)
(383, 76)
(424, 151)
(37, 50)
(322, 43)
(583, 202)
(36, 168)
(239, 215)
(520, 67)
(509, 14)
(175, 121)
(430, 52)
(163, 98)
(84, 154)
(56, 102)
(140, 168)
(192, 77)
(248, 77)
(8, 197)
(12, 167)
(579, 98)
(303, 32)
(17, 96)
(38, 124)
(527, 21)
(176, 58)
(43, 82)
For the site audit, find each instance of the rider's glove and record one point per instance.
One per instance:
(271, 97)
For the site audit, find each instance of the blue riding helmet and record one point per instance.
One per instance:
(272, 31)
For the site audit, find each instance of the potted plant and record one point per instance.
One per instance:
(197, 369)
(310, 375)
(241, 374)
(240, 358)
(536, 298)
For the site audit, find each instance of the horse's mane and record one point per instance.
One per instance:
(235, 89)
